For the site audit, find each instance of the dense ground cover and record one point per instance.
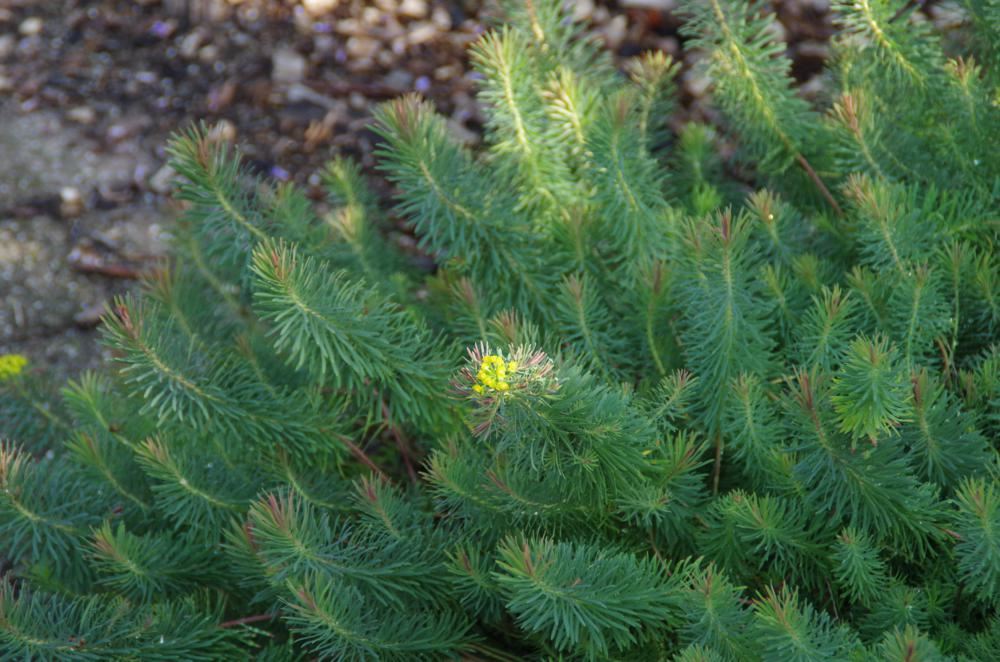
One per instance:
(649, 404)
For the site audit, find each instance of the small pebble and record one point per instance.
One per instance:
(448, 72)
(163, 29)
(287, 66)
(422, 33)
(208, 54)
(223, 132)
(441, 18)
(7, 45)
(90, 316)
(324, 43)
(190, 44)
(371, 16)
(813, 49)
(350, 26)
(31, 27)
(362, 47)
(583, 9)
(777, 30)
(357, 101)
(70, 202)
(119, 132)
(82, 115)
(614, 32)
(319, 7)
(162, 181)
(413, 8)
(668, 45)
(398, 79)
(696, 85)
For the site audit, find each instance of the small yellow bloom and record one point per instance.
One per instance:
(492, 374)
(11, 365)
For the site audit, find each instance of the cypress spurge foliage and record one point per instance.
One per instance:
(870, 393)
(642, 410)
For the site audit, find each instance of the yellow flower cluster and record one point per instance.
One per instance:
(493, 372)
(11, 365)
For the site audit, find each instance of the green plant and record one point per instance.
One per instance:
(641, 410)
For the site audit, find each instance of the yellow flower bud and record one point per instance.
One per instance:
(11, 365)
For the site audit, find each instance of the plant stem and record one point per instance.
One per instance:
(360, 454)
(819, 184)
(717, 469)
(256, 618)
(402, 443)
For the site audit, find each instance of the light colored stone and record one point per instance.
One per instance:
(350, 26)
(208, 54)
(7, 44)
(441, 18)
(357, 101)
(814, 49)
(298, 92)
(162, 181)
(668, 45)
(223, 132)
(614, 32)
(31, 27)
(70, 202)
(82, 114)
(422, 33)
(583, 10)
(371, 16)
(398, 79)
(777, 30)
(448, 72)
(464, 135)
(413, 8)
(287, 66)
(362, 47)
(696, 84)
(319, 7)
(190, 44)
